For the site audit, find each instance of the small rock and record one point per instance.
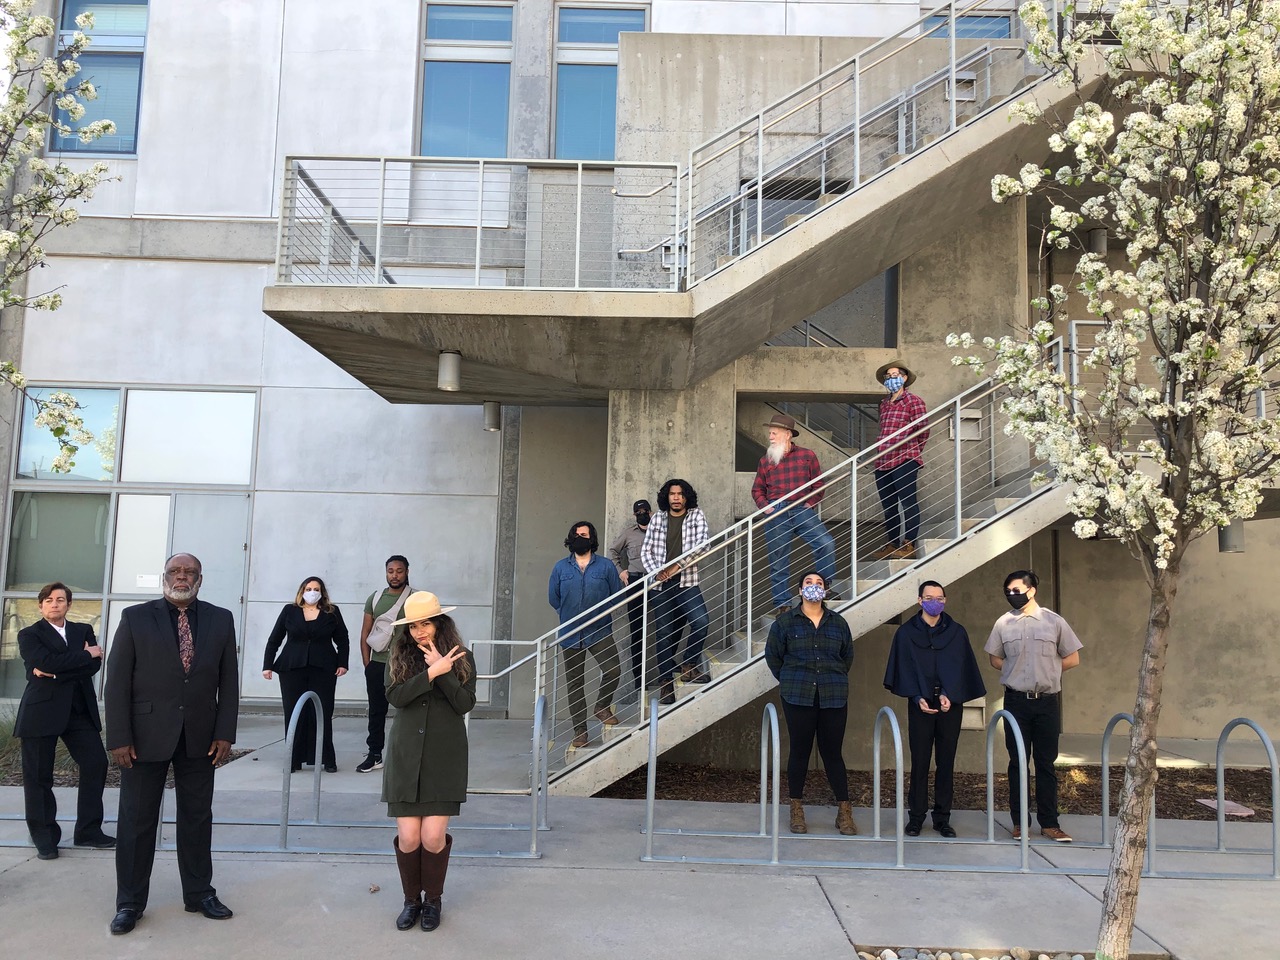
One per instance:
(906, 953)
(924, 955)
(887, 954)
(1077, 956)
(374, 888)
(1062, 956)
(1021, 953)
(863, 955)
(944, 956)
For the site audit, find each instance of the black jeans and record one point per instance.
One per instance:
(930, 733)
(827, 725)
(1040, 721)
(293, 684)
(375, 685)
(84, 743)
(897, 489)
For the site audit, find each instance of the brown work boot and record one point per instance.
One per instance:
(797, 817)
(606, 716)
(581, 740)
(844, 819)
(886, 552)
(905, 552)
(1056, 833)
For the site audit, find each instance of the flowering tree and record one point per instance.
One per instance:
(39, 92)
(1171, 437)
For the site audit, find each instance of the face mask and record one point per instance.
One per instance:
(642, 517)
(894, 384)
(1017, 600)
(814, 592)
(310, 596)
(580, 545)
(932, 607)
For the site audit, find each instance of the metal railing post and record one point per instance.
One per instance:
(853, 528)
(377, 240)
(1106, 767)
(957, 448)
(479, 219)
(1023, 819)
(760, 179)
(675, 232)
(577, 235)
(951, 60)
(536, 772)
(310, 697)
(886, 713)
(651, 780)
(857, 122)
(750, 578)
(770, 748)
(689, 228)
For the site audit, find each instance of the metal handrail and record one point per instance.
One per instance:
(338, 218)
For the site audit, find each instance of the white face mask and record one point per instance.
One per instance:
(310, 596)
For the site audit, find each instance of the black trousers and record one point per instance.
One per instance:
(375, 685)
(293, 684)
(141, 792)
(635, 615)
(1040, 721)
(932, 734)
(85, 746)
(827, 725)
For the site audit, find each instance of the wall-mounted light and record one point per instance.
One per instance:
(449, 372)
(1231, 537)
(492, 416)
(1098, 241)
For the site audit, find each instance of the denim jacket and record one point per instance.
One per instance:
(571, 591)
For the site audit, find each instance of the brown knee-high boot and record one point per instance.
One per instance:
(410, 865)
(434, 868)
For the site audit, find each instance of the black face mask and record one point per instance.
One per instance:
(642, 517)
(580, 544)
(1017, 600)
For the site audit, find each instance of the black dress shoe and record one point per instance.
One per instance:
(100, 842)
(211, 907)
(46, 853)
(946, 829)
(912, 829)
(330, 768)
(430, 913)
(126, 919)
(408, 918)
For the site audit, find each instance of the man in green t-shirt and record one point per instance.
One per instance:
(375, 661)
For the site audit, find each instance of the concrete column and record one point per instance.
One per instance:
(531, 79)
(655, 435)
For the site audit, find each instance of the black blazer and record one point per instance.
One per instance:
(322, 642)
(46, 703)
(150, 701)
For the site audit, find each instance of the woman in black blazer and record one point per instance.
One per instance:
(314, 657)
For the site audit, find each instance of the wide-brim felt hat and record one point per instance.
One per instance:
(884, 371)
(421, 605)
(783, 422)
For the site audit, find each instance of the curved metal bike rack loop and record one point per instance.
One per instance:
(313, 698)
(1275, 788)
(1011, 723)
(886, 713)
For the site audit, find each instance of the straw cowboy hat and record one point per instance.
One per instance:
(783, 422)
(421, 606)
(883, 372)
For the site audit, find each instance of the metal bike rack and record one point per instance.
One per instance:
(1275, 788)
(887, 714)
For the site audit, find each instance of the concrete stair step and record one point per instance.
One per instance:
(793, 218)
(991, 506)
(828, 198)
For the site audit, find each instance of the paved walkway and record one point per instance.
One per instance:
(590, 895)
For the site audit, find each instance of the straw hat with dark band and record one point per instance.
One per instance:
(421, 606)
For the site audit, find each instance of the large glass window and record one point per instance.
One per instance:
(969, 27)
(114, 65)
(58, 536)
(466, 80)
(587, 79)
(37, 448)
(175, 436)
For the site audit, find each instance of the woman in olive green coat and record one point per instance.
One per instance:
(431, 681)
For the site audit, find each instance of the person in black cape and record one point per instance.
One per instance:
(931, 663)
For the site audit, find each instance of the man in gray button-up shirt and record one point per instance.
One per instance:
(1031, 646)
(625, 554)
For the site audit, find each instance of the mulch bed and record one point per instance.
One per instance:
(1080, 789)
(71, 777)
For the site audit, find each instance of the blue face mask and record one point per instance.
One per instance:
(894, 384)
(814, 592)
(932, 607)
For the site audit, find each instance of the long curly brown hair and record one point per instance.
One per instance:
(407, 660)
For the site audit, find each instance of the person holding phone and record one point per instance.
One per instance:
(431, 681)
(932, 664)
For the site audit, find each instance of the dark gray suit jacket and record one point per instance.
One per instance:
(149, 699)
(47, 701)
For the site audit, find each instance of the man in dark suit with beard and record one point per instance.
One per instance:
(171, 696)
(61, 658)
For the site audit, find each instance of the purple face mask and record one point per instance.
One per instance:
(932, 607)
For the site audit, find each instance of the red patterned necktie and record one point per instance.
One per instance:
(186, 646)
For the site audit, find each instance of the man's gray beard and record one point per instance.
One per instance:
(180, 595)
(776, 452)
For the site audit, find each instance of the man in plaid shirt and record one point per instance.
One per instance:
(782, 471)
(679, 528)
(900, 463)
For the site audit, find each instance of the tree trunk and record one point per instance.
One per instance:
(1129, 843)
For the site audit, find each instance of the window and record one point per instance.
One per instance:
(587, 79)
(37, 448)
(114, 66)
(176, 436)
(466, 80)
(970, 27)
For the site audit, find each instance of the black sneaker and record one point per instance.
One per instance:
(370, 763)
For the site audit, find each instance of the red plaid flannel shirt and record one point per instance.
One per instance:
(775, 480)
(894, 415)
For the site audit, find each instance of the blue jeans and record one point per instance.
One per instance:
(897, 489)
(800, 521)
(674, 607)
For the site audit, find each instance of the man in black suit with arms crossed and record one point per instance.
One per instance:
(171, 695)
(61, 658)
